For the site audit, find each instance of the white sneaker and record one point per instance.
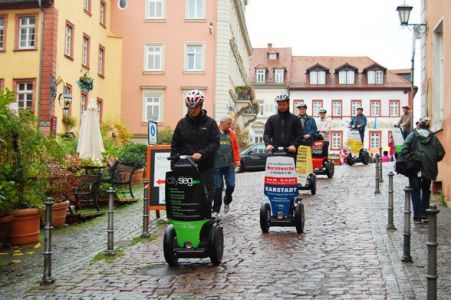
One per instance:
(226, 208)
(214, 215)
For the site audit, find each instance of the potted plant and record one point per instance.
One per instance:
(69, 122)
(134, 155)
(85, 83)
(6, 193)
(244, 92)
(24, 152)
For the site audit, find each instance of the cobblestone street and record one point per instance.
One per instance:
(345, 253)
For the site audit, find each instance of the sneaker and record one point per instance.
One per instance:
(214, 215)
(226, 208)
(417, 221)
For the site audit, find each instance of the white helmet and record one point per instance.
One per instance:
(282, 97)
(194, 98)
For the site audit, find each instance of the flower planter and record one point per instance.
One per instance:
(5, 222)
(59, 213)
(24, 229)
(137, 177)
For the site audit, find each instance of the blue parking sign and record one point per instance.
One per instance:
(152, 132)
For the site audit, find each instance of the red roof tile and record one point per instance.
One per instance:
(260, 57)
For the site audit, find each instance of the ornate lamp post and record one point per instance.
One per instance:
(418, 32)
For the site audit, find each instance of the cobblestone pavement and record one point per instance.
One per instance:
(345, 253)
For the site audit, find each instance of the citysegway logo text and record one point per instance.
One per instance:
(182, 181)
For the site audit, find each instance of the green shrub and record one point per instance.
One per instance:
(165, 136)
(133, 155)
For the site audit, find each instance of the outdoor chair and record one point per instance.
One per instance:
(87, 190)
(121, 175)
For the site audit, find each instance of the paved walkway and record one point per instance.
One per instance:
(345, 253)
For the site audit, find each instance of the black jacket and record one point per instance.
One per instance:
(283, 130)
(199, 135)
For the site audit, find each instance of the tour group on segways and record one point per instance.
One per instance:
(357, 153)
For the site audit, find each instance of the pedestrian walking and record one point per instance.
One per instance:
(226, 160)
(359, 122)
(391, 145)
(405, 122)
(428, 149)
(198, 135)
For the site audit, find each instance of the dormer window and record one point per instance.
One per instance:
(346, 77)
(273, 56)
(375, 77)
(318, 77)
(260, 75)
(279, 75)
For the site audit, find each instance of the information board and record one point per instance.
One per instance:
(354, 142)
(157, 166)
(398, 139)
(152, 133)
(304, 164)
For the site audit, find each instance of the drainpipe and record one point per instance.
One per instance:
(41, 15)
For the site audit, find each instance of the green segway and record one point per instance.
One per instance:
(191, 233)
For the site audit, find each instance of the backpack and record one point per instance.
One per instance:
(409, 164)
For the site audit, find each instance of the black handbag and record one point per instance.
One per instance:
(408, 164)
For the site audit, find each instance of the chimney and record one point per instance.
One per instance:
(269, 45)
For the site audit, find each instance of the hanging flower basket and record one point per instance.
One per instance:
(86, 83)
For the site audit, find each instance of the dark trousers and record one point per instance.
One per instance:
(421, 195)
(362, 137)
(405, 134)
(326, 149)
(227, 173)
(207, 177)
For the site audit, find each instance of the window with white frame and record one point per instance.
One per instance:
(337, 108)
(101, 63)
(68, 40)
(375, 109)
(155, 9)
(102, 14)
(279, 74)
(2, 33)
(375, 139)
(269, 109)
(272, 56)
(27, 32)
(375, 77)
(354, 105)
(154, 57)
(336, 141)
(438, 76)
(152, 105)
(195, 9)
(316, 106)
(85, 52)
(24, 95)
(346, 77)
(87, 5)
(83, 103)
(394, 108)
(260, 75)
(317, 77)
(194, 58)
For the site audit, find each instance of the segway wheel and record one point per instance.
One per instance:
(350, 161)
(312, 183)
(265, 216)
(169, 242)
(216, 245)
(299, 218)
(366, 157)
(330, 168)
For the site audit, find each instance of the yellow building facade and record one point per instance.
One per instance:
(76, 40)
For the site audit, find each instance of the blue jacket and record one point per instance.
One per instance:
(309, 125)
(359, 120)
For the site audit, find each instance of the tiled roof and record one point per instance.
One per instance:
(260, 57)
(260, 66)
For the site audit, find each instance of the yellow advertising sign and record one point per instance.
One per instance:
(304, 166)
(354, 142)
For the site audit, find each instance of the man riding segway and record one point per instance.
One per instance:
(356, 138)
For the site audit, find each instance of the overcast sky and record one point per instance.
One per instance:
(334, 27)
(337, 28)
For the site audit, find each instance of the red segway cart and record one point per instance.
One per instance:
(322, 165)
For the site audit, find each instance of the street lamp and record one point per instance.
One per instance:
(67, 101)
(418, 32)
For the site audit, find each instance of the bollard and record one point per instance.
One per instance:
(145, 233)
(432, 244)
(110, 230)
(47, 277)
(377, 190)
(390, 225)
(381, 177)
(407, 212)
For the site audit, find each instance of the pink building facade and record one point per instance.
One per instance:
(171, 47)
